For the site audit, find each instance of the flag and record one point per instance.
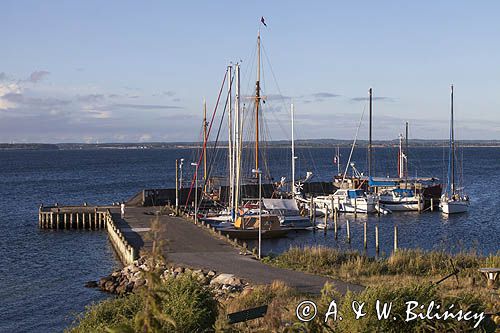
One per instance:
(262, 21)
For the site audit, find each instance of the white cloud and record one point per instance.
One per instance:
(6, 89)
(145, 137)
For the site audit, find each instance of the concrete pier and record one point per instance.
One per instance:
(89, 218)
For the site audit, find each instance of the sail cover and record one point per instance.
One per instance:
(280, 204)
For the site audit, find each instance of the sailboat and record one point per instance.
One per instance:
(403, 198)
(453, 199)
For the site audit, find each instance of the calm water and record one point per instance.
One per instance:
(43, 272)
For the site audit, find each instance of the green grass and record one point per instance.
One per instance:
(185, 305)
(352, 264)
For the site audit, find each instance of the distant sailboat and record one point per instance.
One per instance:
(453, 199)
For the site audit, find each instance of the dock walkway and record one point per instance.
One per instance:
(194, 246)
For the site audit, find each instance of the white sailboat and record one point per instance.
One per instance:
(453, 199)
(401, 199)
(348, 201)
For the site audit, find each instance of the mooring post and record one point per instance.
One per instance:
(52, 220)
(376, 238)
(348, 232)
(355, 207)
(365, 241)
(311, 211)
(84, 221)
(378, 205)
(334, 211)
(395, 238)
(432, 204)
(326, 217)
(77, 220)
(65, 221)
(95, 218)
(90, 220)
(419, 202)
(335, 226)
(57, 218)
(71, 220)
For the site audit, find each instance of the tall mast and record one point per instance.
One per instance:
(452, 143)
(293, 153)
(370, 138)
(204, 142)
(230, 139)
(400, 157)
(257, 104)
(406, 157)
(338, 160)
(237, 140)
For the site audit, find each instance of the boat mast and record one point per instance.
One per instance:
(338, 160)
(293, 153)
(237, 142)
(205, 142)
(230, 139)
(257, 104)
(452, 146)
(406, 157)
(370, 138)
(400, 157)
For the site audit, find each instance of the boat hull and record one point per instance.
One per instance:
(247, 234)
(454, 207)
(402, 206)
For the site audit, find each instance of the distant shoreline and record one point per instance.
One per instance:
(416, 143)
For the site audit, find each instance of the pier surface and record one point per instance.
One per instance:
(194, 246)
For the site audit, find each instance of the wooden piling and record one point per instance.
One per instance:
(52, 220)
(84, 221)
(395, 238)
(326, 217)
(57, 218)
(376, 239)
(77, 221)
(335, 226)
(90, 221)
(348, 232)
(432, 204)
(365, 241)
(355, 208)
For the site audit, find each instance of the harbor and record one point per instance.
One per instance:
(249, 167)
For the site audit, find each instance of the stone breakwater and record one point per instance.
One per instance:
(132, 277)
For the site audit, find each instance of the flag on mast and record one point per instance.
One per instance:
(262, 21)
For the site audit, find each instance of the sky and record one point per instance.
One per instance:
(138, 71)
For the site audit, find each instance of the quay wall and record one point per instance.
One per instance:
(88, 218)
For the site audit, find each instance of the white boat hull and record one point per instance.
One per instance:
(402, 206)
(454, 207)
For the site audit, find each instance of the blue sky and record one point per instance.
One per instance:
(112, 71)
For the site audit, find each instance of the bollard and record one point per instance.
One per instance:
(348, 232)
(395, 238)
(376, 238)
(365, 241)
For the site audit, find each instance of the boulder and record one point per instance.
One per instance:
(91, 284)
(226, 279)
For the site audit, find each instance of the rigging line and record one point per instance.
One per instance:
(212, 160)
(353, 144)
(274, 77)
(208, 134)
